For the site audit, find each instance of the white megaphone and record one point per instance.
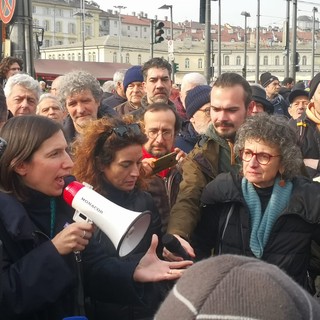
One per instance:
(125, 228)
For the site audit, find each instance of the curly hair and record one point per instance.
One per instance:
(97, 148)
(275, 131)
(6, 63)
(76, 82)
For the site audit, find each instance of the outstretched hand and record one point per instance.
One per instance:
(152, 269)
(185, 244)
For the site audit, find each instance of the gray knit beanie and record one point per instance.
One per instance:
(237, 288)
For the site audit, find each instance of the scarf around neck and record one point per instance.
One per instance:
(261, 224)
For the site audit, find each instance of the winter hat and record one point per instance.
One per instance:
(296, 93)
(266, 78)
(133, 74)
(237, 287)
(196, 98)
(259, 95)
(314, 84)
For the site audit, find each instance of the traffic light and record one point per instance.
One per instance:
(158, 32)
(175, 67)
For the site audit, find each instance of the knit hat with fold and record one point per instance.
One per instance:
(237, 287)
(196, 98)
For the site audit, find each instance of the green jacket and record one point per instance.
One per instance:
(209, 157)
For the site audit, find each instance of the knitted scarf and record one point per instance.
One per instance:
(261, 224)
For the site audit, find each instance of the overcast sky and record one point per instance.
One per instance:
(273, 12)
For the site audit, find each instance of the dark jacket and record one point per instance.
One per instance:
(308, 136)
(39, 283)
(125, 108)
(139, 201)
(289, 244)
(210, 156)
(111, 102)
(280, 106)
(187, 137)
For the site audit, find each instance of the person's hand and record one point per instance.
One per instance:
(172, 257)
(181, 155)
(74, 237)
(311, 163)
(152, 269)
(147, 166)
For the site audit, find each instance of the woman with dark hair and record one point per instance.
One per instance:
(108, 156)
(270, 211)
(49, 263)
(9, 66)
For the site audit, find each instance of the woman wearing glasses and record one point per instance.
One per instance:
(109, 157)
(42, 276)
(270, 212)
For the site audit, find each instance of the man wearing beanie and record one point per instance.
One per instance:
(261, 104)
(197, 104)
(272, 86)
(237, 287)
(307, 128)
(133, 88)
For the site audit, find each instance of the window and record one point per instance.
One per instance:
(73, 57)
(145, 29)
(63, 56)
(265, 60)
(36, 22)
(200, 64)
(115, 57)
(46, 25)
(115, 23)
(277, 60)
(226, 61)
(47, 43)
(136, 28)
(128, 27)
(238, 60)
(127, 58)
(34, 9)
(46, 11)
(58, 26)
(79, 56)
(304, 60)
(139, 59)
(284, 60)
(187, 63)
(59, 56)
(69, 56)
(94, 57)
(90, 57)
(71, 28)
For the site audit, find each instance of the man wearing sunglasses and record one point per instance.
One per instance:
(197, 104)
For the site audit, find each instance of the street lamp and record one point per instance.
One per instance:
(166, 7)
(82, 14)
(314, 10)
(120, 8)
(219, 37)
(244, 70)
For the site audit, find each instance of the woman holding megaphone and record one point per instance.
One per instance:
(50, 265)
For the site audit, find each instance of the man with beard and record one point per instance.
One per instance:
(162, 124)
(230, 99)
(157, 84)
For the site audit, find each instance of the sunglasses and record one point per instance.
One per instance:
(122, 131)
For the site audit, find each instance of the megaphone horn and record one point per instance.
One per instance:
(124, 227)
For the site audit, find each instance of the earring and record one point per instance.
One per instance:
(281, 182)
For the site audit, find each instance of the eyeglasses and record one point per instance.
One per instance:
(206, 111)
(262, 157)
(121, 132)
(153, 134)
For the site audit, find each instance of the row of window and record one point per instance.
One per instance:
(265, 61)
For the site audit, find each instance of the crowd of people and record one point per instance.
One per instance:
(244, 183)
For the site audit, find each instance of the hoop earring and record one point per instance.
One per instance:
(281, 182)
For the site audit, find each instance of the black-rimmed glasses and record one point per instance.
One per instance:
(262, 157)
(153, 134)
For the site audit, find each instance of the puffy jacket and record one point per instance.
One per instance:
(289, 244)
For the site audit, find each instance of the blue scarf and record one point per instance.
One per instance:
(261, 224)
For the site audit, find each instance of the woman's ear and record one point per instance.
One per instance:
(20, 168)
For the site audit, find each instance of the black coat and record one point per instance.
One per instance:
(42, 284)
(187, 137)
(289, 244)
